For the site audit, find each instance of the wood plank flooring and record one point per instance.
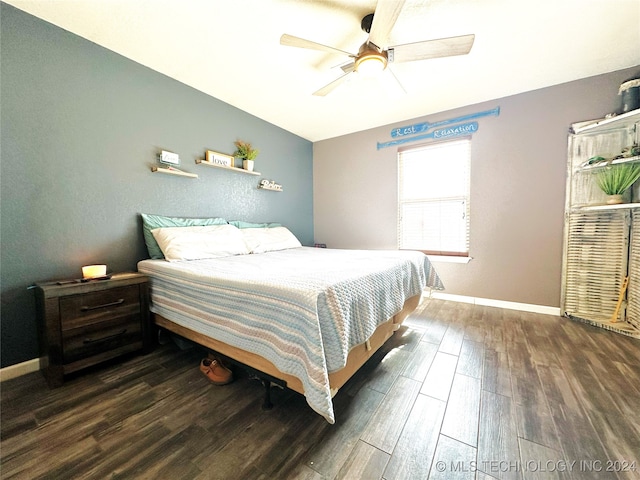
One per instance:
(460, 392)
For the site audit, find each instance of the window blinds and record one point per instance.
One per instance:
(433, 204)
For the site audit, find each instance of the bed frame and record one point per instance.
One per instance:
(357, 356)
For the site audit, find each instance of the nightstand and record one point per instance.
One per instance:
(84, 323)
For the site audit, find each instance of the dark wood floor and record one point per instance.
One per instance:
(461, 391)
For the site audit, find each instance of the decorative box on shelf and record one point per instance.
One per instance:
(200, 161)
(83, 323)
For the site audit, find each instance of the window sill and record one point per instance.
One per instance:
(448, 259)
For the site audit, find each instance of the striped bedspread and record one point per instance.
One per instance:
(303, 309)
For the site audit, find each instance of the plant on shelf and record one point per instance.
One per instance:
(246, 152)
(614, 180)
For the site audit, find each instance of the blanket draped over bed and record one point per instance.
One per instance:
(303, 308)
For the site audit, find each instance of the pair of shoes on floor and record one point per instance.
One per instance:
(217, 373)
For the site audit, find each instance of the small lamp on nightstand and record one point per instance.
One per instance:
(93, 271)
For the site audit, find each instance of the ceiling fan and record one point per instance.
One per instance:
(374, 54)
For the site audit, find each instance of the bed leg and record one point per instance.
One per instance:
(267, 405)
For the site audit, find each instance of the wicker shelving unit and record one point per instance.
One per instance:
(601, 242)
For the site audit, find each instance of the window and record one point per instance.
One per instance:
(433, 198)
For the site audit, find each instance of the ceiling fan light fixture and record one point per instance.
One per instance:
(370, 62)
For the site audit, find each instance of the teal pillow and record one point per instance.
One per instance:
(149, 222)
(241, 224)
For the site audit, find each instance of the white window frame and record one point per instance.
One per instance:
(441, 205)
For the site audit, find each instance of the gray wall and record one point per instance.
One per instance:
(517, 189)
(81, 127)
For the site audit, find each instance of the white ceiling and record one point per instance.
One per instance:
(230, 50)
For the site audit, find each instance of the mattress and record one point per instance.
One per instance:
(303, 309)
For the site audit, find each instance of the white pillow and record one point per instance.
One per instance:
(194, 243)
(261, 240)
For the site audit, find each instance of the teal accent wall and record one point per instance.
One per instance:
(81, 128)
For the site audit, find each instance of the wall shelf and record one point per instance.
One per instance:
(604, 164)
(199, 161)
(619, 206)
(606, 124)
(173, 171)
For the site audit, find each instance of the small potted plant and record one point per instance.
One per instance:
(614, 180)
(246, 152)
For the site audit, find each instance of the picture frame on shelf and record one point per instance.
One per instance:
(219, 159)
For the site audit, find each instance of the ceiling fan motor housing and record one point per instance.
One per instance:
(366, 22)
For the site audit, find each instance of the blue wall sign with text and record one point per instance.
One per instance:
(423, 127)
(442, 133)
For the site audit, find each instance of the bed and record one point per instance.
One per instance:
(309, 317)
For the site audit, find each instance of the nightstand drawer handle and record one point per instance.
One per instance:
(105, 305)
(90, 340)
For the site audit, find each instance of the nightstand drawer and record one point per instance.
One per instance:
(94, 338)
(93, 308)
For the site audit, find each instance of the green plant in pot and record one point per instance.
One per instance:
(246, 152)
(614, 180)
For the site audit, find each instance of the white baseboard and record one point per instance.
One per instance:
(19, 369)
(487, 302)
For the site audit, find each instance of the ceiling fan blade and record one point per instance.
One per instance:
(331, 86)
(384, 18)
(348, 67)
(396, 79)
(442, 47)
(291, 41)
